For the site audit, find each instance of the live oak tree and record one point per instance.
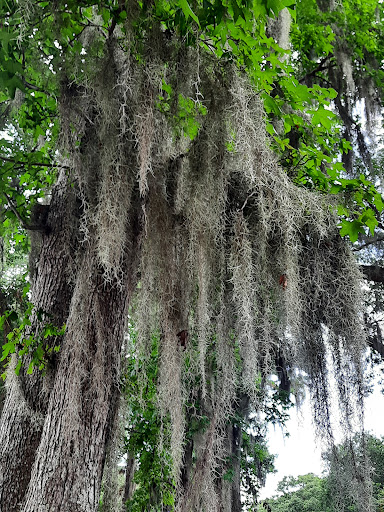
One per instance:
(192, 178)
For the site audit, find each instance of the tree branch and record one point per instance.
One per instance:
(377, 344)
(32, 86)
(367, 244)
(38, 164)
(375, 338)
(35, 227)
(320, 67)
(118, 11)
(373, 273)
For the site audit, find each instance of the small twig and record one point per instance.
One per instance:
(70, 42)
(300, 163)
(6, 110)
(38, 164)
(320, 67)
(33, 87)
(12, 207)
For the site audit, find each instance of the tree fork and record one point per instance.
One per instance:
(27, 395)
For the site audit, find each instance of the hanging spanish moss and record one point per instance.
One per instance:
(236, 263)
(345, 463)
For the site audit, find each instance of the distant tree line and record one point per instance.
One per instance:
(311, 493)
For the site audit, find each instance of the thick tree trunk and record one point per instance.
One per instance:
(27, 395)
(68, 468)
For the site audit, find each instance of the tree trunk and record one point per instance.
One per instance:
(236, 438)
(3, 337)
(129, 474)
(231, 498)
(27, 395)
(187, 465)
(112, 488)
(68, 468)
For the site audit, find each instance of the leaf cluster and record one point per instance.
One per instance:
(27, 346)
(153, 476)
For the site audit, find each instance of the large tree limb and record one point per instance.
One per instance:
(373, 273)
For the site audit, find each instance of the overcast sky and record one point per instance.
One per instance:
(300, 453)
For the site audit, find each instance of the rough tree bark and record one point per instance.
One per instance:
(27, 395)
(3, 308)
(68, 467)
(129, 474)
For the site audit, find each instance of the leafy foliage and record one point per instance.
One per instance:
(153, 476)
(310, 493)
(306, 493)
(311, 141)
(256, 460)
(23, 343)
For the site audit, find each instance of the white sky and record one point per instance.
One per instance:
(297, 454)
(300, 453)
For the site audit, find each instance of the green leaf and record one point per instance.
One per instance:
(369, 220)
(19, 238)
(323, 116)
(270, 128)
(335, 189)
(5, 38)
(378, 202)
(7, 348)
(351, 229)
(275, 6)
(18, 367)
(166, 87)
(105, 14)
(39, 353)
(188, 11)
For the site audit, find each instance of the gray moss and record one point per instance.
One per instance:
(230, 249)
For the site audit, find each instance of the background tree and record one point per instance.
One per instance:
(335, 490)
(306, 493)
